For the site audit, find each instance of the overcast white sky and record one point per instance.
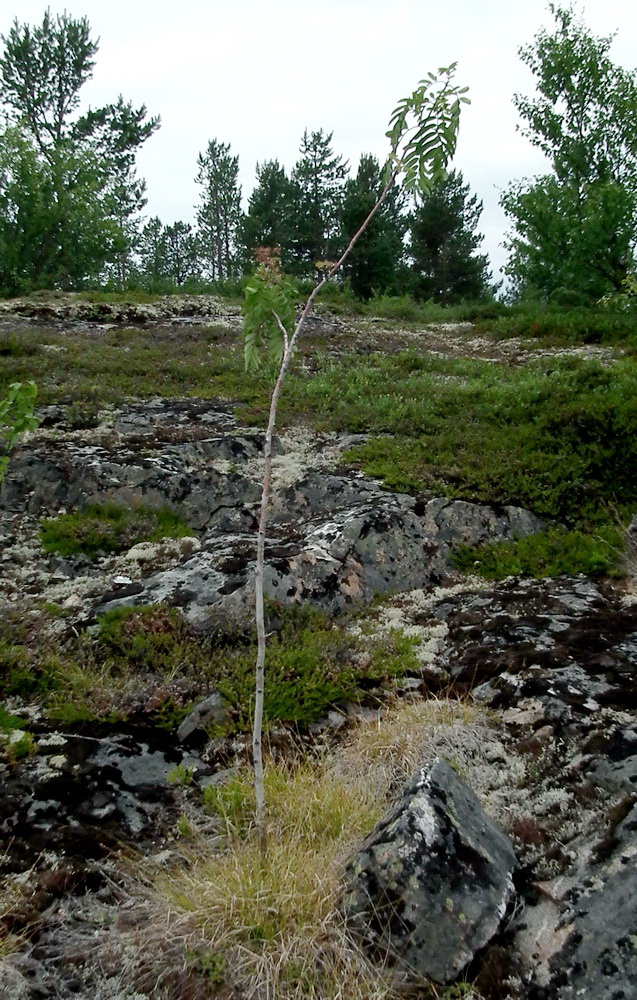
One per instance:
(256, 73)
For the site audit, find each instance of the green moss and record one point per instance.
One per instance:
(71, 714)
(15, 749)
(23, 747)
(9, 722)
(549, 553)
(103, 528)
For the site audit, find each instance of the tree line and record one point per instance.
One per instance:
(71, 203)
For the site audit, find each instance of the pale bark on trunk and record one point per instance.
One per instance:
(288, 349)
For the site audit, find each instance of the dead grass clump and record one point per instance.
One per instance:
(275, 928)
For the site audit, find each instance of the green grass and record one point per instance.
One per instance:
(106, 528)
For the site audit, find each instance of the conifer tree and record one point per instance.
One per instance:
(375, 261)
(444, 241)
(219, 212)
(268, 221)
(318, 178)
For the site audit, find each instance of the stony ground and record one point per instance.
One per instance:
(548, 665)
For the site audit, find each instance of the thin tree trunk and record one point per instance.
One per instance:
(288, 345)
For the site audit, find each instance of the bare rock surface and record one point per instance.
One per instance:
(65, 308)
(80, 795)
(433, 881)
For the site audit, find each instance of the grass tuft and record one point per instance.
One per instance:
(279, 924)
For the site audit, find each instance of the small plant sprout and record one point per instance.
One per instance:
(16, 417)
(422, 133)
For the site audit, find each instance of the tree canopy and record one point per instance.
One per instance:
(68, 180)
(318, 178)
(374, 263)
(574, 230)
(444, 241)
(219, 211)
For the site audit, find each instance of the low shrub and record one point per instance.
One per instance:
(105, 528)
(578, 325)
(558, 436)
(548, 553)
(312, 663)
(30, 660)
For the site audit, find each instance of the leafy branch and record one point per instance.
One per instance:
(16, 417)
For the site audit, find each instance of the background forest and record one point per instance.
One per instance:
(72, 203)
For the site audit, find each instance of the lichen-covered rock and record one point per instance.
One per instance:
(333, 539)
(78, 793)
(213, 710)
(433, 881)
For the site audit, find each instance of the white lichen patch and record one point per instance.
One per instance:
(404, 613)
(303, 451)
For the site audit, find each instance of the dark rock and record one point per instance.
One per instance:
(80, 795)
(211, 711)
(375, 543)
(433, 881)
(599, 957)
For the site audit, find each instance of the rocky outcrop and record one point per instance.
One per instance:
(432, 883)
(79, 795)
(334, 539)
(69, 308)
(557, 660)
(378, 543)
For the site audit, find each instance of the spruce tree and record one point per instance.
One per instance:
(318, 178)
(219, 212)
(374, 263)
(445, 265)
(268, 221)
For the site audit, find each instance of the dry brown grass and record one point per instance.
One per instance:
(274, 930)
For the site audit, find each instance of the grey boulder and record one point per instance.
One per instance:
(433, 881)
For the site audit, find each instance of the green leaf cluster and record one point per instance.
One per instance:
(573, 229)
(68, 188)
(423, 131)
(16, 417)
(268, 309)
